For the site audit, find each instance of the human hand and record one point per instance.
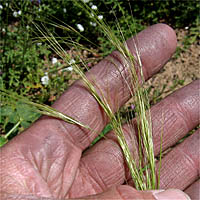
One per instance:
(47, 160)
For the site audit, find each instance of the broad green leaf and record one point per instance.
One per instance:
(13, 118)
(6, 110)
(9, 114)
(26, 112)
(25, 124)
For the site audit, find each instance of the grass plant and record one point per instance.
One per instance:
(143, 174)
(143, 171)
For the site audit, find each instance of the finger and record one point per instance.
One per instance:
(180, 167)
(176, 115)
(105, 160)
(194, 190)
(124, 192)
(156, 44)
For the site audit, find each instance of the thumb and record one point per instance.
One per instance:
(170, 194)
(124, 192)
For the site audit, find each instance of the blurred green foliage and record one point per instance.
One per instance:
(25, 60)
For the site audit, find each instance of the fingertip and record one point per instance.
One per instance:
(156, 45)
(169, 34)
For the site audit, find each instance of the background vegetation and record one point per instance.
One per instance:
(28, 67)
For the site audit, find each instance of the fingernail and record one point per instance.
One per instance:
(171, 194)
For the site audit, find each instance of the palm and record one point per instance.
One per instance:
(47, 159)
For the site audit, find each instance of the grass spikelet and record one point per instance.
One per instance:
(143, 171)
(143, 177)
(44, 109)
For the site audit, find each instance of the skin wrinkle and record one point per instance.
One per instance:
(191, 149)
(148, 52)
(57, 153)
(34, 163)
(171, 123)
(180, 110)
(32, 183)
(57, 178)
(111, 93)
(94, 180)
(85, 183)
(111, 73)
(46, 167)
(111, 98)
(187, 157)
(183, 164)
(84, 107)
(194, 190)
(65, 129)
(177, 172)
(190, 102)
(72, 172)
(101, 165)
(53, 181)
(124, 70)
(21, 167)
(87, 139)
(172, 107)
(114, 157)
(120, 192)
(31, 187)
(8, 180)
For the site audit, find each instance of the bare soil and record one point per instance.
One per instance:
(185, 68)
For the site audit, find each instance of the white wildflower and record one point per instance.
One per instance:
(80, 27)
(64, 10)
(85, 1)
(6, 4)
(1, 7)
(45, 79)
(19, 12)
(72, 61)
(69, 69)
(39, 44)
(3, 30)
(100, 17)
(94, 7)
(93, 24)
(54, 60)
(15, 14)
(27, 27)
(186, 28)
